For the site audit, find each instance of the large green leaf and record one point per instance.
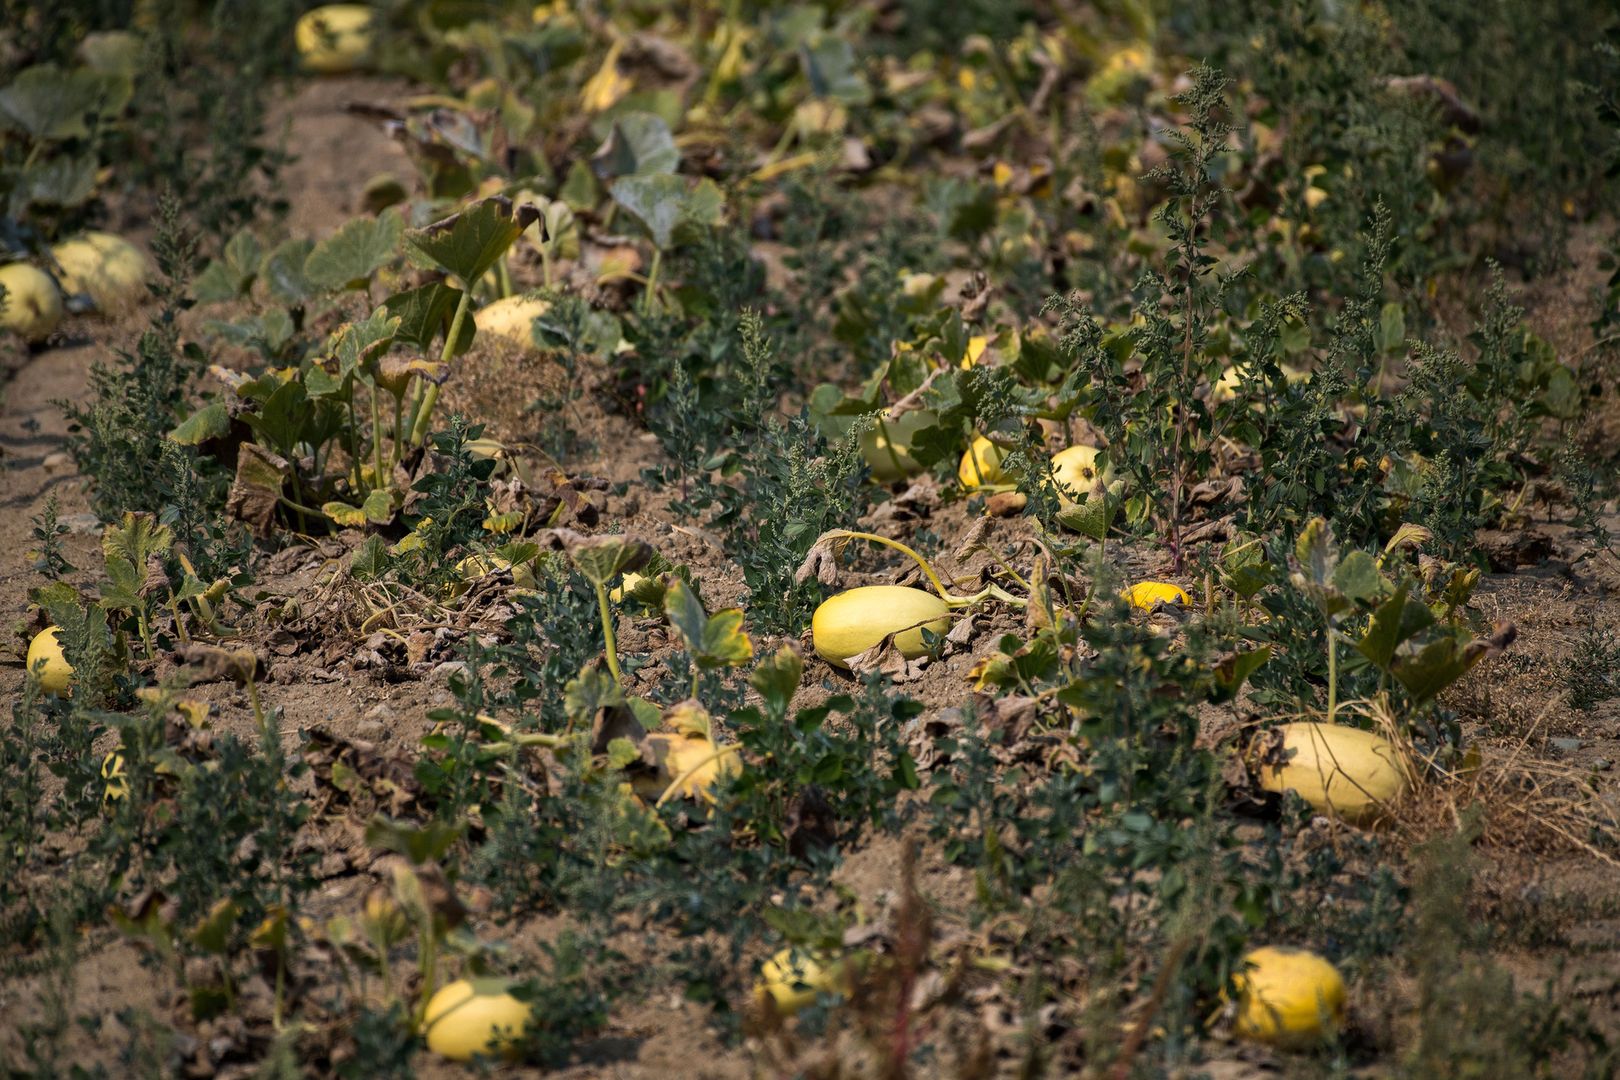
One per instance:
(233, 273)
(640, 144)
(121, 591)
(137, 538)
(426, 312)
(664, 202)
(62, 181)
(603, 558)
(283, 272)
(281, 419)
(777, 678)
(356, 345)
(469, 244)
(1092, 517)
(348, 258)
(212, 421)
(1357, 579)
(588, 693)
(829, 66)
(714, 641)
(1232, 671)
(1394, 622)
(49, 103)
(370, 560)
(1436, 666)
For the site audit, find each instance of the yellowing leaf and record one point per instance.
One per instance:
(603, 90)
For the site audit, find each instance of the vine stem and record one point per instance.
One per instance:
(430, 396)
(607, 632)
(933, 579)
(1333, 674)
(376, 438)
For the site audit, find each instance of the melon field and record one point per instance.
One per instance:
(856, 540)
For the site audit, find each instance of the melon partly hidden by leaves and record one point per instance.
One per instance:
(1288, 997)
(851, 622)
(1076, 473)
(981, 465)
(692, 763)
(33, 304)
(46, 659)
(886, 445)
(512, 319)
(334, 38)
(793, 978)
(470, 1017)
(109, 269)
(1341, 771)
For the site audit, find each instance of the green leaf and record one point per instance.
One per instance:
(663, 203)
(580, 190)
(418, 843)
(725, 644)
(647, 714)
(426, 313)
(122, 589)
(777, 679)
(829, 66)
(602, 558)
(348, 258)
(1316, 554)
(51, 104)
(283, 272)
(379, 506)
(622, 753)
(713, 641)
(1231, 672)
(1439, 664)
(467, 245)
(685, 614)
(233, 273)
(357, 344)
(1391, 327)
(67, 181)
(211, 421)
(281, 417)
(212, 933)
(1093, 516)
(640, 144)
(370, 560)
(1396, 621)
(137, 538)
(1357, 578)
(587, 693)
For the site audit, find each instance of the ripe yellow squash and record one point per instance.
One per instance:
(886, 445)
(334, 38)
(793, 978)
(1341, 771)
(1075, 470)
(57, 674)
(109, 269)
(512, 319)
(474, 1016)
(981, 465)
(33, 305)
(853, 621)
(1288, 997)
(1144, 594)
